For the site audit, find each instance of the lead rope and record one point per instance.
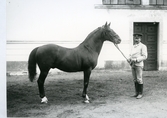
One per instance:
(121, 52)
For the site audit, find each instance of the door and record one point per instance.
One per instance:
(149, 38)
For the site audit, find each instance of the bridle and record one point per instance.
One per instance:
(109, 36)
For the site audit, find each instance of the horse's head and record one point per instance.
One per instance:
(110, 35)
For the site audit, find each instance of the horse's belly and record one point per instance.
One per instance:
(68, 66)
(69, 69)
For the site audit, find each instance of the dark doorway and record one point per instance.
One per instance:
(149, 38)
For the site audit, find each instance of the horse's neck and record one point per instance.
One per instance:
(93, 41)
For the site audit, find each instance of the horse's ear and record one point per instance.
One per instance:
(105, 24)
(109, 24)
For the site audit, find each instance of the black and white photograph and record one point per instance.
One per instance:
(83, 59)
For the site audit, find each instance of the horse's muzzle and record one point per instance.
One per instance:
(118, 41)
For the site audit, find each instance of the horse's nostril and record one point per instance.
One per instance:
(120, 40)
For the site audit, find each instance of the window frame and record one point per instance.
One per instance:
(158, 2)
(134, 2)
(144, 5)
(121, 2)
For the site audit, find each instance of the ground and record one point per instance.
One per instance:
(109, 92)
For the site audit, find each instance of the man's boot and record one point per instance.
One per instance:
(140, 95)
(136, 89)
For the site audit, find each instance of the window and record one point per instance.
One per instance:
(158, 2)
(133, 2)
(121, 2)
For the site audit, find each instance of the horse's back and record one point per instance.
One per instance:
(65, 59)
(55, 56)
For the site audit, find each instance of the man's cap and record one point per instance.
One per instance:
(137, 35)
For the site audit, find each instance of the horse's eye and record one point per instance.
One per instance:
(107, 30)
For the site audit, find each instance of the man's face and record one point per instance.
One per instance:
(136, 40)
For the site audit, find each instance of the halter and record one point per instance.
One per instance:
(110, 35)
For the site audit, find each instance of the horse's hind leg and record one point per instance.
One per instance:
(40, 82)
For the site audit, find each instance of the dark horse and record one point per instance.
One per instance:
(81, 58)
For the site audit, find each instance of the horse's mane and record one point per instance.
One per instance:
(91, 34)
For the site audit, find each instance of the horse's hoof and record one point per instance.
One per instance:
(87, 98)
(44, 100)
(87, 101)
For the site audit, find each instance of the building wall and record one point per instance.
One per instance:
(69, 24)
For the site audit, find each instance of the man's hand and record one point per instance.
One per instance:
(132, 61)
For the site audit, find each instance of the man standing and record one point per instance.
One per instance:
(137, 56)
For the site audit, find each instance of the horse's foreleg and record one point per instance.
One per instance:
(87, 74)
(40, 82)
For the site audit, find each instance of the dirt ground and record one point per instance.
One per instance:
(109, 92)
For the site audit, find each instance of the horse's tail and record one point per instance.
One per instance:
(32, 64)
